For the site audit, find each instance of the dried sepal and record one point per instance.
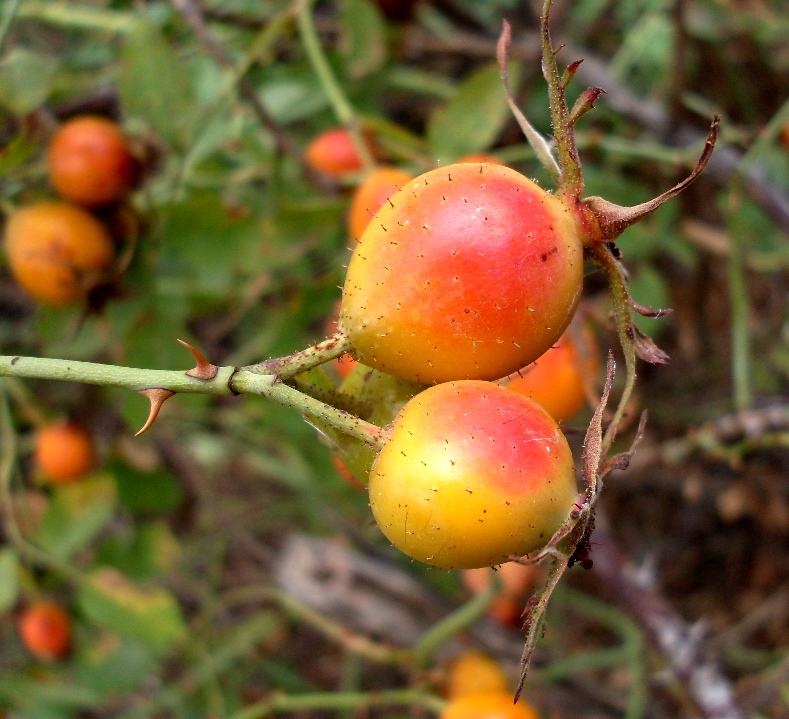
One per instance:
(536, 141)
(645, 346)
(646, 311)
(204, 369)
(157, 396)
(615, 219)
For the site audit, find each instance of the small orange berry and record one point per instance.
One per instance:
(334, 153)
(64, 452)
(57, 251)
(488, 705)
(557, 380)
(472, 672)
(90, 162)
(45, 629)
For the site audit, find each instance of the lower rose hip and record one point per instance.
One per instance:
(472, 474)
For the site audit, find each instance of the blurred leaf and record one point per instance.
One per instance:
(20, 149)
(26, 80)
(151, 551)
(292, 93)
(41, 698)
(77, 513)
(151, 615)
(111, 664)
(9, 580)
(145, 492)
(472, 120)
(362, 37)
(207, 251)
(155, 85)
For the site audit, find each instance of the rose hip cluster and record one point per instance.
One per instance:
(464, 276)
(60, 251)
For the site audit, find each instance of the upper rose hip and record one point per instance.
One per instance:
(471, 271)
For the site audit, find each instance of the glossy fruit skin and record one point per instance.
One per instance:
(64, 452)
(471, 271)
(557, 379)
(517, 580)
(333, 153)
(57, 251)
(90, 162)
(488, 705)
(376, 188)
(472, 473)
(45, 629)
(472, 672)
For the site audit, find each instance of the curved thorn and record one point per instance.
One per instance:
(204, 369)
(157, 396)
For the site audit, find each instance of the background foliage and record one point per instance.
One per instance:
(176, 558)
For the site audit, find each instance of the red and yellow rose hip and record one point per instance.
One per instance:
(472, 473)
(470, 271)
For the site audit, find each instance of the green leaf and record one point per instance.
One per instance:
(155, 85)
(77, 513)
(26, 80)
(150, 552)
(9, 580)
(472, 120)
(146, 492)
(362, 38)
(111, 664)
(150, 615)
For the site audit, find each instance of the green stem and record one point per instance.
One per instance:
(571, 181)
(738, 290)
(342, 108)
(73, 15)
(341, 700)
(227, 381)
(8, 459)
(291, 365)
(455, 622)
(351, 642)
(624, 321)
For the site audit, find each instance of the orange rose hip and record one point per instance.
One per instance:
(90, 162)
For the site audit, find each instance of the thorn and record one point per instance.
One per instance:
(158, 396)
(204, 369)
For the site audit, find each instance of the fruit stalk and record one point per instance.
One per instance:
(342, 108)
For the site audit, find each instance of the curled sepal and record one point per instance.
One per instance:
(157, 396)
(615, 219)
(622, 461)
(585, 103)
(645, 346)
(646, 311)
(204, 369)
(536, 141)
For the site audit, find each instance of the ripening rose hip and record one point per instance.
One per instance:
(472, 473)
(471, 271)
